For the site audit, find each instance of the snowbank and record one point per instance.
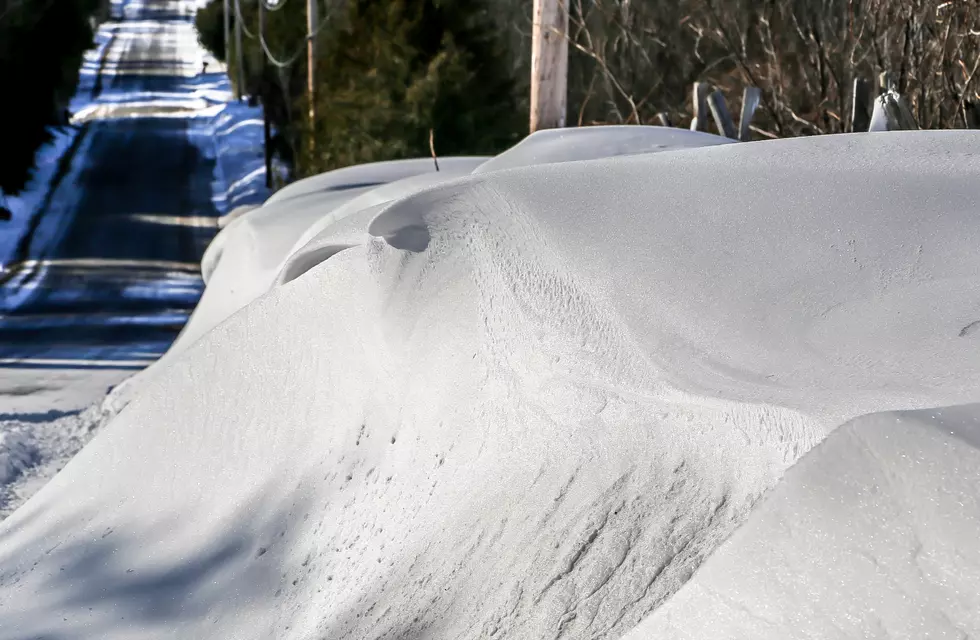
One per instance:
(531, 405)
(872, 534)
(371, 174)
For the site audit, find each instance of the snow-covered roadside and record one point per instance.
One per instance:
(527, 403)
(239, 180)
(34, 447)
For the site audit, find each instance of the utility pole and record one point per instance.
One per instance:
(227, 32)
(238, 54)
(266, 124)
(549, 64)
(311, 25)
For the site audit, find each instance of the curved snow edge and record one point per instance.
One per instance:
(873, 529)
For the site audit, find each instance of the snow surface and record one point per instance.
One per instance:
(531, 403)
(590, 143)
(873, 534)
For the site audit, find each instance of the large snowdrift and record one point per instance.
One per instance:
(300, 225)
(529, 405)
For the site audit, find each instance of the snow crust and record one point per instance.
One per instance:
(532, 403)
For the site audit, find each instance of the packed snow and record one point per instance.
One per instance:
(536, 401)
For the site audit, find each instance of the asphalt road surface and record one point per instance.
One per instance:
(110, 272)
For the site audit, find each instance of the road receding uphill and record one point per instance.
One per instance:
(108, 269)
(111, 269)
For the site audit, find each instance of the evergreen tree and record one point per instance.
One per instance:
(41, 49)
(393, 70)
(388, 72)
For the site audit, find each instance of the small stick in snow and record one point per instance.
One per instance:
(432, 148)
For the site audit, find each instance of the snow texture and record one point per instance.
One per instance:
(531, 403)
(873, 534)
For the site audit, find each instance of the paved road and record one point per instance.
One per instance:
(110, 273)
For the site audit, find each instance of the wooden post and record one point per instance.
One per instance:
(700, 104)
(750, 102)
(664, 119)
(861, 105)
(549, 64)
(721, 116)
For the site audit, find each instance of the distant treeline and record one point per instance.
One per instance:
(388, 72)
(41, 48)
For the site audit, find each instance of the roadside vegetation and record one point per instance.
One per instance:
(41, 48)
(389, 71)
(391, 76)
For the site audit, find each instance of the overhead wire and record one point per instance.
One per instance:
(238, 17)
(271, 57)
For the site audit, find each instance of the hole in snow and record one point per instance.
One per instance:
(402, 227)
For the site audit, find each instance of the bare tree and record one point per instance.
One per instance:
(634, 59)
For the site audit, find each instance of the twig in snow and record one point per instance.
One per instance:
(432, 148)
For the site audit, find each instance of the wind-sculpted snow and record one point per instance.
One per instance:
(372, 174)
(251, 252)
(590, 143)
(872, 534)
(535, 415)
